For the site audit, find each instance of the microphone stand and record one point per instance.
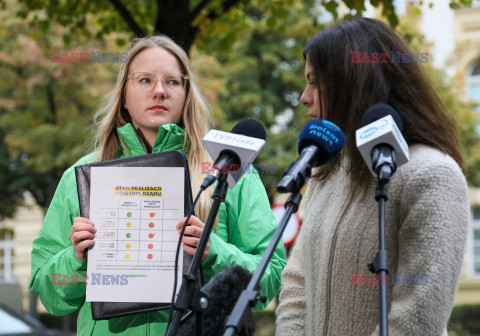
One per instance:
(385, 167)
(190, 297)
(240, 321)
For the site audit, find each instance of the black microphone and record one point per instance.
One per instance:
(222, 292)
(233, 152)
(319, 142)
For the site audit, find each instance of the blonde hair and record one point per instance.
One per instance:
(196, 118)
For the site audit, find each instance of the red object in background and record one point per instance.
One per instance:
(293, 227)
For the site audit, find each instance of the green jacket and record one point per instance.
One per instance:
(245, 227)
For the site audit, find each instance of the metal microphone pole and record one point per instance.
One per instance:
(385, 167)
(240, 321)
(189, 297)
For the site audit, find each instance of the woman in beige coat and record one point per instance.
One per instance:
(327, 288)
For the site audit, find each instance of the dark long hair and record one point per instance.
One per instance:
(347, 89)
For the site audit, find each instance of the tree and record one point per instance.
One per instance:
(12, 182)
(185, 21)
(255, 44)
(261, 76)
(450, 91)
(46, 107)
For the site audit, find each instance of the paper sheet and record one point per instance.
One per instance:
(135, 211)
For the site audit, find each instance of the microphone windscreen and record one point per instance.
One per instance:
(251, 128)
(378, 111)
(324, 134)
(222, 291)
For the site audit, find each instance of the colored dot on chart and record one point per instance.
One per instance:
(129, 235)
(151, 225)
(150, 235)
(127, 256)
(128, 246)
(152, 214)
(129, 214)
(129, 224)
(150, 246)
(150, 256)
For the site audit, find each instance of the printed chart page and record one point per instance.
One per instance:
(135, 211)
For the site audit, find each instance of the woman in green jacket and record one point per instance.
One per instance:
(154, 107)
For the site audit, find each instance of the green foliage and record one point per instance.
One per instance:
(467, 120)
(458, 4)
(464, 321)
(264, 322)
(248, 55)
(185, 21)
(46, 107)
(449, 91)
(263, 77)
(11, 182)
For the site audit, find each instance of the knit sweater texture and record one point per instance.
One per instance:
(327, 288)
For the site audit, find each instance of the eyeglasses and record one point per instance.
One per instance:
(145, 81)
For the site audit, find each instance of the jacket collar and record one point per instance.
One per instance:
(169, 137)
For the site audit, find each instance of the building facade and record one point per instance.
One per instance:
(467, 64)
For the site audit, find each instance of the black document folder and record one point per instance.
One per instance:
(107, 310)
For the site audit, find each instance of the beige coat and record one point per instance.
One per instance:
(427, 218)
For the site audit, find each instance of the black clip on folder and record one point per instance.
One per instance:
(107, 310)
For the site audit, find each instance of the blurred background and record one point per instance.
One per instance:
(58, 60)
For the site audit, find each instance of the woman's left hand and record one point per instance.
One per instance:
(192, 235)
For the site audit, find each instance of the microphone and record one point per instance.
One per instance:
(233, 152)
(380, 141)
(319, 142)
(222, 292)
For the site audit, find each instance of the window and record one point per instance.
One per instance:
(6, 255)
(473, 84)
(476, 240)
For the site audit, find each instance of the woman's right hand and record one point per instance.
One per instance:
(82, 235)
